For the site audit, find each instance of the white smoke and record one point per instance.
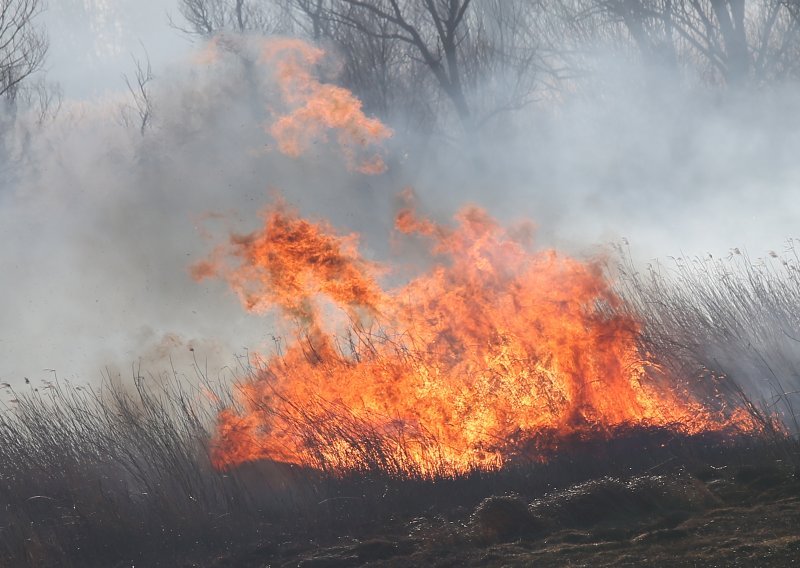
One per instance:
(100, 222)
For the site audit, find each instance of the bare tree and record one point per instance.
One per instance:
(140, 93)
(416, 59)
(463, 44)
(731, 41)
(208, 17)
(380, 70)
(22, 46)
(433, 28)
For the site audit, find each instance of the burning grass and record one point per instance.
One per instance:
(499, 351)
(503, 394)
(731, 322)
(108, 477)
(100, 477)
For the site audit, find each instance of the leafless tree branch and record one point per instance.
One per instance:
(23, 47)
(139, 89)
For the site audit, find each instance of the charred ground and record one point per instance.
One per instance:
(123, 478)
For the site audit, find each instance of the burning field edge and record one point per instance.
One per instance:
(123, 474)
(123, 477)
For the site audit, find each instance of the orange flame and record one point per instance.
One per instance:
(319, 107)
(289, 262)
(493, 348)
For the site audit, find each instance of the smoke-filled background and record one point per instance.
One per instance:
(141, 137)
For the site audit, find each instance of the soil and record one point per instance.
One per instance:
(714, 517)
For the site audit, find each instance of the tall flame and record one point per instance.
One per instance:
(497, 349)
(493, 348)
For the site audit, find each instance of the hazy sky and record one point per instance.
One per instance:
(92, 41)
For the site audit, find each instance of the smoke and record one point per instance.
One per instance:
(674, 169)
(100, 221)
(92, 42)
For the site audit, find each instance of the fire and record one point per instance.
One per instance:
(319, 107)
(494, 348)
(307, 110)
(289, 262)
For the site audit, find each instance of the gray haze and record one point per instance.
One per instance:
(92, 42)
(100, 222)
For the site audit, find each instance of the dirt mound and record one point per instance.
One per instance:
(502, 518)
(612, 500)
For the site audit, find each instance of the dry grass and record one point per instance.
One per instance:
(732, 321)
(122, 474)
(729, 325)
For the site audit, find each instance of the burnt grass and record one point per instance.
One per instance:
(648, 498)
(115, 479)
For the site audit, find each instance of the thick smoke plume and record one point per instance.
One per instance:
(100, 218)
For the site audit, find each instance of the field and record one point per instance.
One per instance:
(360, 252)
(122, 474)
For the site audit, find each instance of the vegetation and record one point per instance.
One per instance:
(466, 62)
(23, 46)
(730, 321)
(117, 475)
(122, 474)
